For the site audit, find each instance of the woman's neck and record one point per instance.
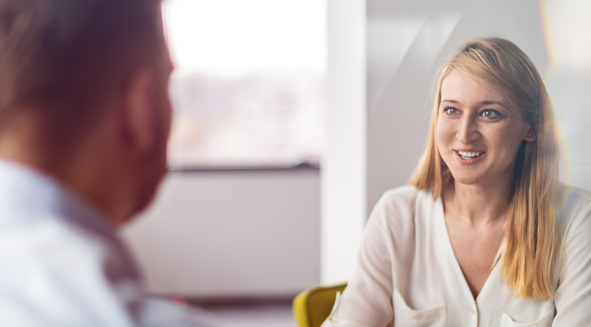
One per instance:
(477, 204)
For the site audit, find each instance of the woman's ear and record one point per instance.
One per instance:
(136, 111)
(531, 135)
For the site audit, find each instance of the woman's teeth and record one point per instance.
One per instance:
(469, 155)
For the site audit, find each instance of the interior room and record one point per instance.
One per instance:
(292, 118)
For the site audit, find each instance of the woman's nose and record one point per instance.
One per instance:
(468, 130)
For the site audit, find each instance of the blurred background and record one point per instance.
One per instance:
(291, 118)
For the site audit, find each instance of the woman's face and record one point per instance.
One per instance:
(478, 131)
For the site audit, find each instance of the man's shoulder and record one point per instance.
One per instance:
(57, 272)
(44, 232)
(60, 275)
(38, 250)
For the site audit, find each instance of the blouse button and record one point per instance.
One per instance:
(472, 310)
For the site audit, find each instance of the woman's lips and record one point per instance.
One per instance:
(469, 157)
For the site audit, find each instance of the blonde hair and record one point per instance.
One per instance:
(530, 257)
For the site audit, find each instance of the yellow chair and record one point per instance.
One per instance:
(312, 306)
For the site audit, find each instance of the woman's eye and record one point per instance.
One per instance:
(451, 111)
(488, 113)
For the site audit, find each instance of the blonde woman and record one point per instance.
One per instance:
(484, 235)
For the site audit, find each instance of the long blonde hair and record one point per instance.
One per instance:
(530, 259)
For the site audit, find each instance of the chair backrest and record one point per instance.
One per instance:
(312, 306)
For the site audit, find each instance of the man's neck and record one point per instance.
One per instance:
(83, 168)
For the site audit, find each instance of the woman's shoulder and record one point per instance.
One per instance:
(575, 205)
(401, 205)
(406, 195)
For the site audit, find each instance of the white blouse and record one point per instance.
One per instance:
(407, 273)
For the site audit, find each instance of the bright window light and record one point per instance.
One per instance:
(249, 82)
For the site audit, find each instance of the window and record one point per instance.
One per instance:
(249, 84)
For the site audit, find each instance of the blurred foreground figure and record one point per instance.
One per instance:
(84, 122)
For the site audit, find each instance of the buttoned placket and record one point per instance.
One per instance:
(451, 264)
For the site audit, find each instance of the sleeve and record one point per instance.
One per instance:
(573, 295)
(367, 300)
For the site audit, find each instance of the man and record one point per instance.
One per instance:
(84, 122)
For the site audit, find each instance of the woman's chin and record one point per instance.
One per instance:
(466, 180)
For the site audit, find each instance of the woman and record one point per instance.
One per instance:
(484, 235)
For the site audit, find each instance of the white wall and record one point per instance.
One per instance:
(225, 234)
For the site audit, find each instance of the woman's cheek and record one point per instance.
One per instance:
(443, 134)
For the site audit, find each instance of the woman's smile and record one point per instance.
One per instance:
(467, 157)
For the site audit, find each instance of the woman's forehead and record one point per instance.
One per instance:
(460, 87)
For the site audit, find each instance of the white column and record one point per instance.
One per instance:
(344, 173)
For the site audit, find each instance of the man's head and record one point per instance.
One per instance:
(79, 70)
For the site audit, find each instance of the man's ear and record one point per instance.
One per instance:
(136, 111)
(531, 135)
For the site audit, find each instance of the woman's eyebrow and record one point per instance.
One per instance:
(494, 102)
(487, 102)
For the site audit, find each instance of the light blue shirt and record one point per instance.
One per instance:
(62, 264)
